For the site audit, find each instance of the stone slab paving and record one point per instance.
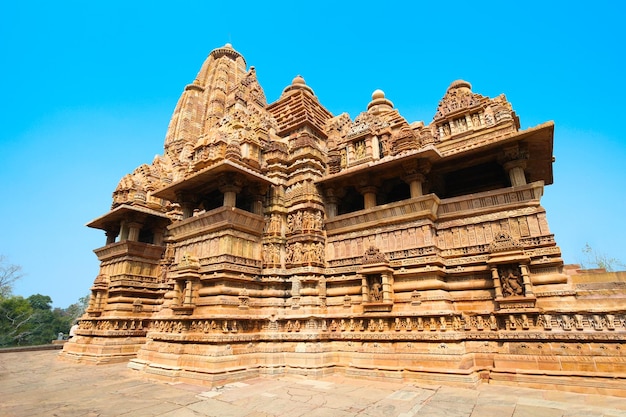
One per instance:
(40, 384)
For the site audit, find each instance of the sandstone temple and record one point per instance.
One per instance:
(280, 238)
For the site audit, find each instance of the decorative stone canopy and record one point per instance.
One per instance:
(207, 180)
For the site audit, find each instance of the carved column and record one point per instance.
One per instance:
(496, 281)
(365, 291)
(415, 183)
(257, 205)
(133, 231)
(375, 148)
(387, 280)
(188, 298)
(111, 236)
(331, 203)
(230, 194)
(516, 172)
(528, 290)
(513, 159)
(369, 196)
(123, 231)
(158, 237)
(415, 175)
(258, 192)
(179, 293)
(186, 201)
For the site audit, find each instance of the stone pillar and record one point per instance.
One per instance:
(133, 232)
(365, 291)
(188, 293)
(415, 183)
(369, 196)
(516, 172)
(230, 195)
(257, 206)
(179, 296)
(186, 201)
(350, 154)
(331, 203)
(528, 289)
(496, 281)
(123, 231)
(187, 209)
(158, 237)
(387, 280)
(111, 236)
(375, 148)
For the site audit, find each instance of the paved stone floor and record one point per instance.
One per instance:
(39, 384)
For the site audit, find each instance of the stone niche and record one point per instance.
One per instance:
(510, 273)
(377, 282)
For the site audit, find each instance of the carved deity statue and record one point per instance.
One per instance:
(376, 292)
(511, 282)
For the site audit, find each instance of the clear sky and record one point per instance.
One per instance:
(88, 88)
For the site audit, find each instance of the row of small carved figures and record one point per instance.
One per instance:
(301, 220)
(122, 325)
(442, 323)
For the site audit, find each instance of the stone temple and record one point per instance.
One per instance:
(282, 239)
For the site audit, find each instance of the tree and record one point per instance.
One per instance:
(74, 311)
(31, 321)
(600, 260)
(45, 323)
(16, 314)
(9, 273)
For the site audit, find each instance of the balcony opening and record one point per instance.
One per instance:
(212, 200)
(245, 202)
(394, 190)
(351, 201)
(475, 179)
(146, 236)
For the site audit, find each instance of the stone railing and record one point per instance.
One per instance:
(496, 199)
(217, 219)
(130, 248)
(401, 211)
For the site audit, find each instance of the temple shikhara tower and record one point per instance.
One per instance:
(280, 238)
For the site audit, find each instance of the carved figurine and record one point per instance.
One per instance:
(511, 283)
(375, 293)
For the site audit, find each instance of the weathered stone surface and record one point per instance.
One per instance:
(281, 239)
(35, 384)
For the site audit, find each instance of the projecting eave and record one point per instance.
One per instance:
(207, 179)
(124, 212)
(537, 140)
(383, 166)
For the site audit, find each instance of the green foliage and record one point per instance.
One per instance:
(16, 314)
(40, 302)
(33, 321)
(594, 259)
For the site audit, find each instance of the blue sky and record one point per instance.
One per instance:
(88, 89)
